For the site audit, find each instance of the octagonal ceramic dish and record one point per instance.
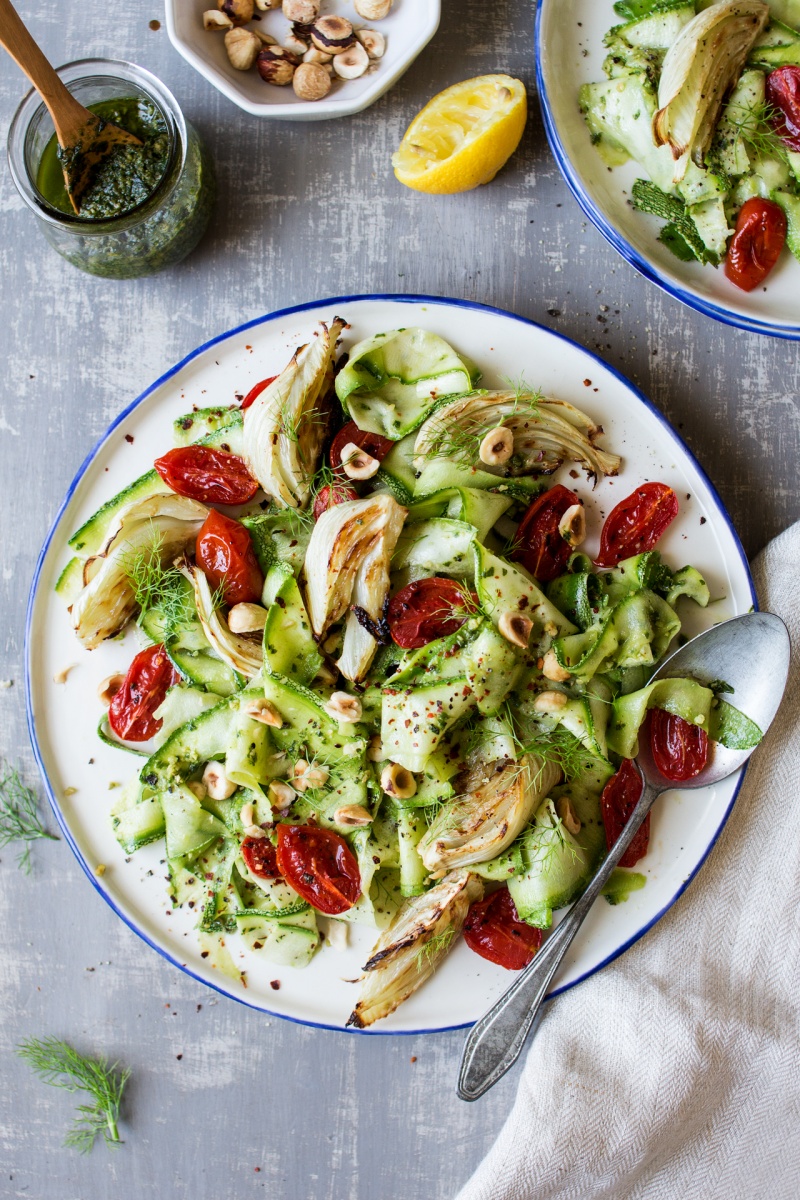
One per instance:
(408, 28)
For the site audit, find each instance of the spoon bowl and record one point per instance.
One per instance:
(751, 655)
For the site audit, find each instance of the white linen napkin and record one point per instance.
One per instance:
(675, 1072)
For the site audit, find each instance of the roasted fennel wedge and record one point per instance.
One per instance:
(410, 950)
(497, 802)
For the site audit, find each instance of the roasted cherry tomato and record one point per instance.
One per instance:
(425, 610)
(375, 445)
(150, 676)
(756, 243)
(538, 545)
(620, 797)
(679, 749)
(225, 553)
(256, 391)
(261, 857)
(783, 100)
(637, 523)
(207, 474)
(320, 867)
(493, 930)
(332, 494)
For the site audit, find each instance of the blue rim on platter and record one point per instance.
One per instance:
(615, 238)
(334, 303)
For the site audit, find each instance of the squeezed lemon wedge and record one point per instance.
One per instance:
(463, 136)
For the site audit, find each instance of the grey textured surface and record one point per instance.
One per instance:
(224, 1102)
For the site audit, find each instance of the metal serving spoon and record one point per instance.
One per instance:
(751, 653)
(85, 139)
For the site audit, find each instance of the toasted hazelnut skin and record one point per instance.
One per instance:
(304, 12)
(332, 35)
(352, 814)
(108, 689)
(239, 11)
(497, 446)
(242, 47)
(398, 782)
(516, 628)
(275, 67)
(356, 463)
(373, 10)
(311, 81)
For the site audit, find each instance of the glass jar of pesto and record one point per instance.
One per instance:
(147, 207)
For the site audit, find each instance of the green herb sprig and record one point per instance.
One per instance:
(438, 944)
(59, 1064)
(19, 815)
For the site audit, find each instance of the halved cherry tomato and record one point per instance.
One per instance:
(425, 610)
(149, 678)
(637, 523)
(679, 749)
(493, 930)
(538, 545)
(375, 445)
(225, 552)
(207, 474)
(320, 867)
(756, 243)
(256, 391)
(783, 100)
(332, 494)
(620, 797)
(261, 857)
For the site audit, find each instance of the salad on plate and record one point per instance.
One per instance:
(705, 98)
(380, 681)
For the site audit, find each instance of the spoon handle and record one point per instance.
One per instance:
(495, 1042)
(68, 114)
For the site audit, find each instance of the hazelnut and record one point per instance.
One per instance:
(549, 702)
(516, 628)
(374, 43)
(295, 45)
(247, 618)
(108, 689)
(398, 782)
(275, 66)
(304, 12)
(344, 708)
(356, 463)
(572, 525)
(497, 446)
(263, 711)
(313, 55)
(306, 776)
(311, 80)
(216, 781)
(375, 749)
(216, 21)
(280, 794)
(352, 814)
(239, 11)
(567, 815)
(242, 47)
(373, 10)
(332, 34)
(552, 669)
(266, 5)
(351, 64)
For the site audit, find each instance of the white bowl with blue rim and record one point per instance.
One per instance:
(569, 53)
(408, 28)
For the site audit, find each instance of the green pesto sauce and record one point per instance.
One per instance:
(123, 180)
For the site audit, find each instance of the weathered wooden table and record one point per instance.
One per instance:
(224, 1102)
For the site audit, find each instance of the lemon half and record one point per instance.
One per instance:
(463, 136)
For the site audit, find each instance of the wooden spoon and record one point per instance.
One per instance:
(85, 139)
